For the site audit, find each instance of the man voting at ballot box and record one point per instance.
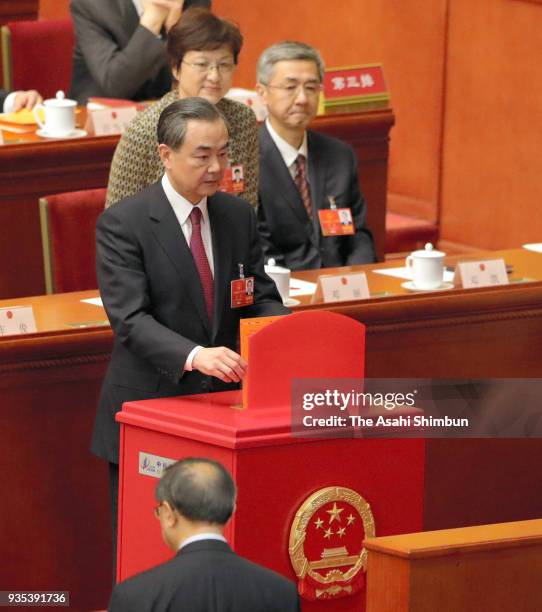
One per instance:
(169, 260)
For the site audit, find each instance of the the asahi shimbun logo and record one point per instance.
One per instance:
(153, 465)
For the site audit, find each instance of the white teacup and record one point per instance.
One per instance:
(59, 115)
(427, 266)
(281, 276)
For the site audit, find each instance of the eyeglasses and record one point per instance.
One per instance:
(205, 67)
(290, 91)
(156, 510)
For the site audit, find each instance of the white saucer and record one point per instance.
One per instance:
(410, 286)
(291, 302)
(73, 134)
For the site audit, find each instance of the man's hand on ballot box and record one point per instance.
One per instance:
(221, 362)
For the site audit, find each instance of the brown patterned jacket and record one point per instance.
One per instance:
(136, 163)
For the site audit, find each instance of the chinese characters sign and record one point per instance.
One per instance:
(354, 82)
(17, 320)
(341, 288)
(486, 273)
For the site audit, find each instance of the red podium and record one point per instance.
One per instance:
(304, 504)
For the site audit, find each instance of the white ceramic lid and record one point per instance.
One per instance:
(428, 251)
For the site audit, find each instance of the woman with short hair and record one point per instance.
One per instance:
(203, 51)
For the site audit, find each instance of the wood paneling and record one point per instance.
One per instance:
(49, 387)
(491, 189)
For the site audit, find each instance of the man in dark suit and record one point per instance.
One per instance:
(303, 172)
(165, 260)
(16, 100)
(196, 499)
(119, 50)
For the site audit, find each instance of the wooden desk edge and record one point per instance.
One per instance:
(464, 540)
(19, 352)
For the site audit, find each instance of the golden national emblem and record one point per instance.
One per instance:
(326, 543)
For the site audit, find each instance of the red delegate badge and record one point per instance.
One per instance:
(336, 222)
(242, 292)
(233, 180)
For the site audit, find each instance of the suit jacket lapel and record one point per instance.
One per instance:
(169, 234)
(317, 180)
(280, 175)
(222, 257)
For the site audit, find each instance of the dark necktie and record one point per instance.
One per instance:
(302, 184)
(201, 261)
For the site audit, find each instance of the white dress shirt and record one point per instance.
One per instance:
(138, 7)
(202, 536)
(182, 209)
(288, 153)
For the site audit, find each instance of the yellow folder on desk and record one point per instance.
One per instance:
(22, 117)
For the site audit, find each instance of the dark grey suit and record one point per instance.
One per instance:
(288, 235)
(114, 56)
(206, 576)
(153, 297)
(3, 96)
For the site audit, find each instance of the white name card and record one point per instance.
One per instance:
(484, 273)
(17, 320)
(106, 121)
(341, 288)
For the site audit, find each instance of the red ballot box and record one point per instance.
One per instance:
(304, 504)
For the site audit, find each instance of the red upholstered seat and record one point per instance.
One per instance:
(68, 223)
(407, 233)
(41, 55)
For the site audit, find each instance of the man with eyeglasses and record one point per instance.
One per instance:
(303, 172)
(196, 499)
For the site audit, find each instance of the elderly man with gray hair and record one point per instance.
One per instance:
(303, 172)
(196, 498)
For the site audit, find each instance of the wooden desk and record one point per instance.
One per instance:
(490, 567)
(56, 527)
(32, 167)
(49, 384)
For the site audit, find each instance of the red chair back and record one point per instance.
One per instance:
(41, 55)
(69, 237)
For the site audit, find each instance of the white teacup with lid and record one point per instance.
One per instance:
(281, 276)
(59, 115)
(427, 266)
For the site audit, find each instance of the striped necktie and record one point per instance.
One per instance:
(302, 184)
